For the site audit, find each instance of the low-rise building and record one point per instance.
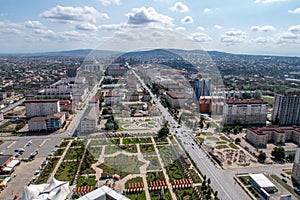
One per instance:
(245, 112)
(174, 100)
(5, 160)
(41, 107)
(116, 70)
(50, 123)
(112, 98)
(260, 181)
(89, 120)
(274, 134)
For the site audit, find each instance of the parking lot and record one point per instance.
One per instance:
(26, 170)
(44, 146)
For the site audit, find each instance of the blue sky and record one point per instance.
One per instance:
(248, 26)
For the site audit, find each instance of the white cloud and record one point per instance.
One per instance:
(201, 37)
(73, 14)
(235, 33)
(34, 25)
(207, 10)
(288, 36)
(109, 2)
(86, 27)
(295, 29)
(263, 40)
(218, 27)
(180, 28)
(109, 27)
(265, 28)
(145, 15)
(187, 20)
(179, 7)
(200, 28)
(269, 1)
(7, 27)
(295, 11)
(233, 37)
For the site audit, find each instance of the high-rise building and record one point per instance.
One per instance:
(296, 167)
(245, 112)
(286, 110)
(202, 87)
(72, 72)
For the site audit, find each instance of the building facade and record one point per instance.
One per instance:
(245, 112)
(296, 167)
(47, 124)
(286, 110)
(202, 87)
(174, 100)
(273, 134)
(1, 116)
(89, 120)
(41, 107)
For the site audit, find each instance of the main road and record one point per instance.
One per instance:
(226, 187)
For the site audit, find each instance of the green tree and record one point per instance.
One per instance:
(262, 157)
(278, 153)
(104, 111)
(237, 140)
(164, 131)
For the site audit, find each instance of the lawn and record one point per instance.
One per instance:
(59, 152)
(222, 146)
(122, 165)
(224, 138)
(137, 140)
(111, 149)
(186, 194)
(233, 146)
(86, 166)
(77, 143)
(194, 175)
(212, 138)
(268, 99)
(74, 154)
(154, 163)
(136, 196)
(128, 147)
(89, 182)
(64, 143)
(221, 142)
(66, 171)
(201, 139)
(96, 151)
(155, 176)
(47, 171)
(175, 171)
(161, 140)
(147, 148)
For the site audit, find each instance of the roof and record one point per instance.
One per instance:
(262, 180)
(4, 158)
(173, 95)
(56, 115)
(37, 119)
(42, 101)
(248, 101)
(263, 130)
(55, 190)
(91, 113)
(103, 193)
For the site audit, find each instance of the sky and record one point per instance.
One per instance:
(235, 26)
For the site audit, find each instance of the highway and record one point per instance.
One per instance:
(227, 189)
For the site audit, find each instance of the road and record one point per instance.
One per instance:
(226, 188)
(12, 106)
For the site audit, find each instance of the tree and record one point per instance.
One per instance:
(257, 95)
(278, 153)
(237, 140)
(104, 111)
(262, 157)
(164, 131)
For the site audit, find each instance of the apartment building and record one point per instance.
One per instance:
(41, 107)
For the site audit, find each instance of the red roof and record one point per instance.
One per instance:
(41, 100)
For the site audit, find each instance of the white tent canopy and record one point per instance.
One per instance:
(55, 190)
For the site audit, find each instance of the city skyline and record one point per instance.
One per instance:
(256, 27)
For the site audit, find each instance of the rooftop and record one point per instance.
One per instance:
(41, 100)
(4, 158)
(262, 180)
(103, 193)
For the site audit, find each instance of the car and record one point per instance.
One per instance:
(284, 180)
(17, 155)
(282, 174)
(51, 154)
(37, 172)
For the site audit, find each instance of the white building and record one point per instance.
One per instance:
(42, 107)
(296, 167)
(246, 112)
(260, 181)
(89, 120)
(103, 193)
